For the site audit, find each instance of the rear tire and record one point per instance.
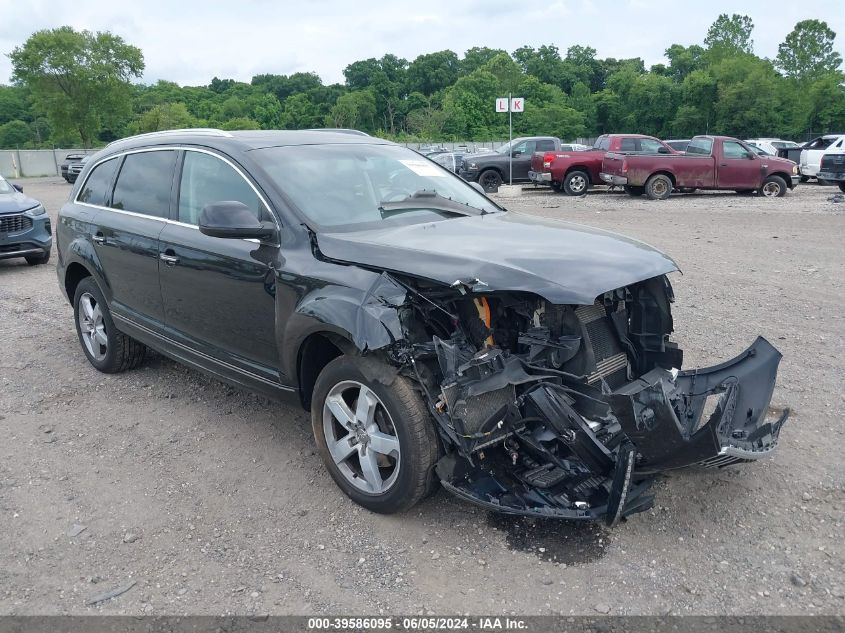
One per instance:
(633, 190)
(108, 349)
(658, 187)
(37, 260)
(576, 183)
(773, 187)
(398, 414)
(842, 187)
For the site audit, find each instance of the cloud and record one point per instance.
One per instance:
(191, 42)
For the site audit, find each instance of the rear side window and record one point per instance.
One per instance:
(144, 183)
(96, 188)
(628, 145)
(602, 143)
(701, 146)
(207, 179)
(545, 145)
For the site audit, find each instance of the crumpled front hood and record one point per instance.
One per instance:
(16, 202)
(562, 262)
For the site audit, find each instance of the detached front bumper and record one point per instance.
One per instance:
(541, 178)
(710, 417)
(613, 179)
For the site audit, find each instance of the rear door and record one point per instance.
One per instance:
(739, 167)
(219, 294)
(126, 234)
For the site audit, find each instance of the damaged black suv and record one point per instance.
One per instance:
(523, 363)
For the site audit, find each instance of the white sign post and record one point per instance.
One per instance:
(510, 104)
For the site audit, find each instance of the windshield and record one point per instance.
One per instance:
(506, 148)
(5, 187)
(352, 186)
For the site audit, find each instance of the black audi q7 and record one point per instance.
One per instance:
(523, 363)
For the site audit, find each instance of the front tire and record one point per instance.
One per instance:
(108, 349)
(377, 440)
(658, 187)
(490, 180)
(773, 187)
(842, 187)
(576, 183)
(37, 260)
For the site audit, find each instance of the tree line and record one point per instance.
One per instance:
(76, 88)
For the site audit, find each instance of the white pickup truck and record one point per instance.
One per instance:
(811, 155)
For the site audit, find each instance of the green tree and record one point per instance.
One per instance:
(827, 104)
(166, 116)
(13, 104)
(14, 134)
(683, 60)
(730, 35)
(355, 110)
(478, 56)
(433, 71)
(544, 63)
(268, 112)
(807, 52)
(78, 78)
(241, 123)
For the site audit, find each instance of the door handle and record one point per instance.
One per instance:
(99, 238)
(170, 260)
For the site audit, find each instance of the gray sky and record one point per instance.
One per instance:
(191, 42)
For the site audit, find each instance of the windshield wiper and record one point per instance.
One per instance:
(428, 200)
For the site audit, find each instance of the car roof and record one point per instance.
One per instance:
(244, 140)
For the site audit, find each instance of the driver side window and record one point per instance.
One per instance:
(734, 150)
(207, 179)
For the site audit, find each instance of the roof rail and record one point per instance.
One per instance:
(202, 131)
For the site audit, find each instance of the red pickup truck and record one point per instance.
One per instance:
(574, 173)
(710, 162)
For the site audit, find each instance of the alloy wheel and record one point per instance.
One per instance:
(577, 184)
(93, 327)
(361, 437)
(771, 190)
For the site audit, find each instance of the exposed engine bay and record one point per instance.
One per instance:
(570, 410)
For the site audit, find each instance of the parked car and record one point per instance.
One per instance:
(25, 229)
(811, 154)
(523, 362)
(70, 159)
(450, 160)
(573, 173)
(772, 146)
(710, 162)
(75, 168)
(491, 169)
(832, 169)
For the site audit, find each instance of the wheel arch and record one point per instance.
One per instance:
(663, 172)
(786, 178)
(579, 167)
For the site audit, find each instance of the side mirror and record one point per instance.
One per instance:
(663, 150)
(19, 188)
(478, 188)
(751, 155)
(515, 154)
(230, 219)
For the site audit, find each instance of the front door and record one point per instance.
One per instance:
(522, 153)
(219, 294)
(126, 236)
(739, 167)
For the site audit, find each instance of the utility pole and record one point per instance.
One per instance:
(510, 140)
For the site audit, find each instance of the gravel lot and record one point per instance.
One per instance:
(212, 500)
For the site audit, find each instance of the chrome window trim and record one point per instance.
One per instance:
(164, 148)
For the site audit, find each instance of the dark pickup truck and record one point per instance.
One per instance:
(573, 173)
(493, 168)
(710, 162)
